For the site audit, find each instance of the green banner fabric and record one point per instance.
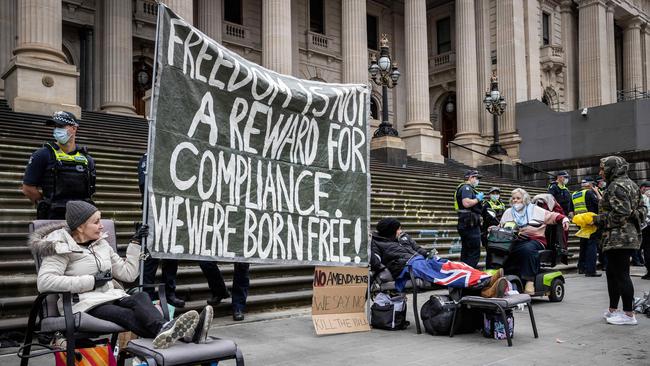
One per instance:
(249, 165)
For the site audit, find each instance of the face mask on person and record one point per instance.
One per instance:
(61, 135)
(602, 184)
(518, 206)
(475, 183)
(494, 197)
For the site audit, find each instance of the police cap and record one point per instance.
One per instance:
(472, 173)
(61, 119)
(494, 189)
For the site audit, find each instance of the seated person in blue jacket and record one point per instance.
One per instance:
(397, 251)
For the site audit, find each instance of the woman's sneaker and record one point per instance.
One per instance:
(183, 326)
(205, 320)
(609, 314)
(622, 319)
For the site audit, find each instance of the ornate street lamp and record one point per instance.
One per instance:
(385, 74)
(496, 105)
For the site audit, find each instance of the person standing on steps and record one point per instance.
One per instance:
(561, 193)
(467, 203)
(169, 266)
(62, 170)
(586, 200)
(240, 286)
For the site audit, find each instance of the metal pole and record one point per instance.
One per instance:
(384, 102)
(495, 128)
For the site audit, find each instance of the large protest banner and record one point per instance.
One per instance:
(246, 164)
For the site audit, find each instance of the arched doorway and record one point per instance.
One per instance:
(448, 125)
(142, 79)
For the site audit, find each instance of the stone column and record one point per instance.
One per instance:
(569, 47)
(117, 73)
(183, 8)
(593, 59)
(611, 52)
(422, 142)
(483, 62)
(511, 69)
(531, 8)
(646, 57)
(38, 79)
(632, 70)
(276, 35)
(209, 18)
(354, 42)
(7, 36)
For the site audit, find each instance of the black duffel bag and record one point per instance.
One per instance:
(389, 312)
(437, 313)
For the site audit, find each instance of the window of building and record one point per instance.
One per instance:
(316, 16)
(443, 33)
(232, 11)
(546, 30)
(373, 32)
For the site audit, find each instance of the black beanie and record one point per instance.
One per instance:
(77, 212)
(387, 227)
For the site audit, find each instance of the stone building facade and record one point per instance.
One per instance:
(98, 55)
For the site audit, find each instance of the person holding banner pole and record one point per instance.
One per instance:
(240, 285)
(169, 266)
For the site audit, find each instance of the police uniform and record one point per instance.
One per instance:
(490, 206)
(469, 224)
(62, 176)
(562, 196)
(586, 200)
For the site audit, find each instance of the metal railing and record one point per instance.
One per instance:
(498, 161)
(632, 94)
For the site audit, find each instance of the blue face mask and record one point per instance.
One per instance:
(494, 197)
(61, 135)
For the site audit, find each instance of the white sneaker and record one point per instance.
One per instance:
(609, 314)
(622, 319)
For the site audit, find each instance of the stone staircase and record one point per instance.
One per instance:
(419, 195)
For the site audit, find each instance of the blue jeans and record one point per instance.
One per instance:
(240, 282)
(588, 255)
(524, 258)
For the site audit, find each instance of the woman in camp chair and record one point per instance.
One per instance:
(530, 221)
(76, 258)
(395, 250)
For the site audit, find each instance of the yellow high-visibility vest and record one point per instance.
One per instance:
(579, 202)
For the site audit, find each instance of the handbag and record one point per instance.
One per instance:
(99, 354)
(389, 312)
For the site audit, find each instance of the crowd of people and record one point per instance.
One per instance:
(60, 180)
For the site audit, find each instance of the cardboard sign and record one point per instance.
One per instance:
(248, 165)
(339, 300)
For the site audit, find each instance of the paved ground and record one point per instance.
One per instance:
(571, 333)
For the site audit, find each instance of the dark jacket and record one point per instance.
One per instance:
(562, 197)
(393, 253)
(621, 209)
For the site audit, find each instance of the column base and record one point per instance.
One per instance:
(118, 108)
(390, 150)
(423, 144)
(469, 157)
(40, 86)
(510, 142)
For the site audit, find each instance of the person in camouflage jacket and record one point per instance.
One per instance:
(620, 214)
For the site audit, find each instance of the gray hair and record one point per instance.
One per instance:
(524, 195)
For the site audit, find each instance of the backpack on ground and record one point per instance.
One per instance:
(493, 326)
(389, 312)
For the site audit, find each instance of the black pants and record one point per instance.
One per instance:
(588, 255)
(135, 313)
(470, 237)
(524, 259)
(240, 283)
(619, 283)
(169, 270)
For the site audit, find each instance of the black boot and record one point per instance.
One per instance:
(175, 301)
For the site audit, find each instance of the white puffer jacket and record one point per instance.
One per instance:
(68, 266)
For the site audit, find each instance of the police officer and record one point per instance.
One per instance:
(61, 169)
(492, 211)
(467, 203)
(558, 189)
(586, 200)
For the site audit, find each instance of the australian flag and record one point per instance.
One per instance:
(442, 272)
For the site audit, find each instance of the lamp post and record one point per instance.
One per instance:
(496, 105)
(385, 74)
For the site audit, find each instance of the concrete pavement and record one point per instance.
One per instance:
(572, 332)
